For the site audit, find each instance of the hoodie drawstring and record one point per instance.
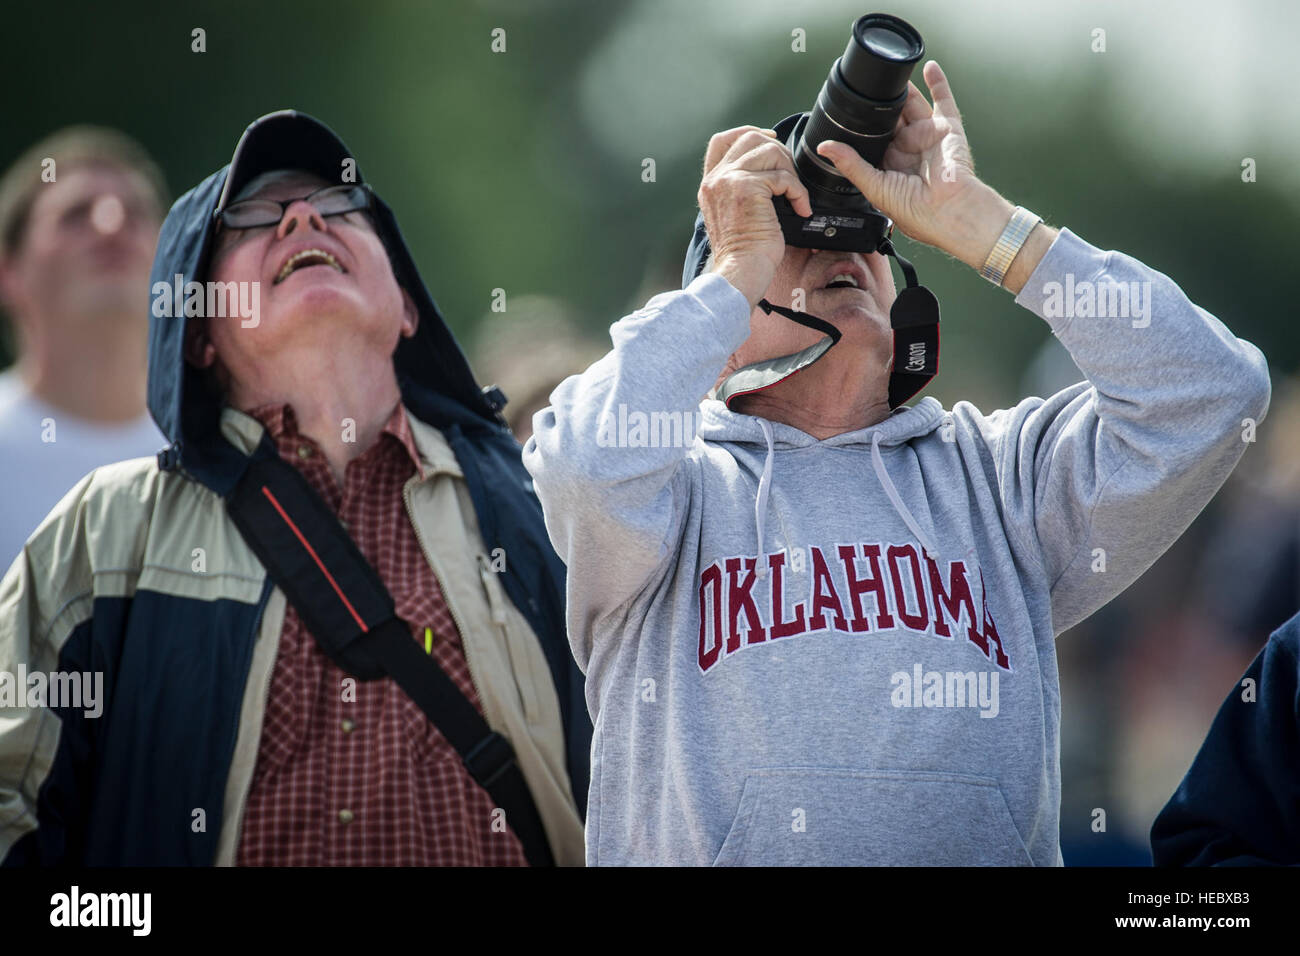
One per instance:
(760, 503)
(972, 559)
(896, 499)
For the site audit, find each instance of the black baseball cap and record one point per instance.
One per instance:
(286, 139)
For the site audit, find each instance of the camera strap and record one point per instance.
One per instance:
(914, 318)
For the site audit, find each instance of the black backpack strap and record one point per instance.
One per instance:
(350, 613)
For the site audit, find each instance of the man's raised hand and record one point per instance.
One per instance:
(743, 169)
(927, 183)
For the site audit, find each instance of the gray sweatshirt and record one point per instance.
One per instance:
(843, 651)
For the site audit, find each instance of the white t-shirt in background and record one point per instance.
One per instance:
(36, 473)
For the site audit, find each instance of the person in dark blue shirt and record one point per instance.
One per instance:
(1239, 804)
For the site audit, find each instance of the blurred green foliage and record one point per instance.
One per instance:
(499, 183)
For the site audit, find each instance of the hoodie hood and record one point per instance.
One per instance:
(720, 424)
(433, 374)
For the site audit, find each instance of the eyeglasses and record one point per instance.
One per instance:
(329, 201)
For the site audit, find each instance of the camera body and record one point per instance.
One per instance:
(843, 221)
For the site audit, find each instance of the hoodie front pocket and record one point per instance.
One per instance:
(833, 817)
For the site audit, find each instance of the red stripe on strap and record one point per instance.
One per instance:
(320, 564)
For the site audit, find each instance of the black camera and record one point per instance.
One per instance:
(859, 104)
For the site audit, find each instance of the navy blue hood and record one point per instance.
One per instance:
(432, 372)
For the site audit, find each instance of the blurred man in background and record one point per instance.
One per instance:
(79, 217)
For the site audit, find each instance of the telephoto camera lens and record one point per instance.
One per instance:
(860, 102)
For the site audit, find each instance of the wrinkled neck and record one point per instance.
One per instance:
(820, 420)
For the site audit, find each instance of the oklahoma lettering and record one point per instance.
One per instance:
(843, 595)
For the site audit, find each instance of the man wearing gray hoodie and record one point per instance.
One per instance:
(818, 626)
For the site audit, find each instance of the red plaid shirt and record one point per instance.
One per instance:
(369, 781)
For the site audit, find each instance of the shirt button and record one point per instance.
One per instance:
(344, 524)
(304, 451)
(348, 726)
(345, 816)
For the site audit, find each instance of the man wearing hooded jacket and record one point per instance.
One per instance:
(817, 627)
(222, 733)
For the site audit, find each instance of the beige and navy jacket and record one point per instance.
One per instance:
(140, 574)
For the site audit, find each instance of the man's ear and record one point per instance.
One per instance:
(410, 315)
(199, 350)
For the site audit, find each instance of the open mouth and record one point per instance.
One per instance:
(843, 280)
(305, 259)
